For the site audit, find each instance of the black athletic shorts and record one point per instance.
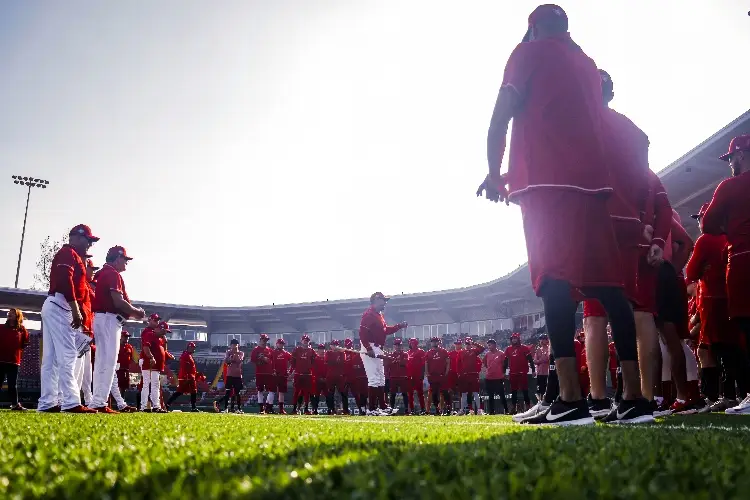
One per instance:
(495, 386)
(672, 300)
(541, 384)
(234, 383)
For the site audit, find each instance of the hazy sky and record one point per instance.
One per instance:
(250, 152)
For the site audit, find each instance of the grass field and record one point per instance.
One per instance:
(246, 456)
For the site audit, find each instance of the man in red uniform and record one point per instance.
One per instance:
(399, 381)
(281, 359)
(356, 375)
(469, 366)
(372, 333)
(557, 174)
(261, 356)
(319, 379)
(335, 371)
(518, 359)
(303, 358)
(729, 212)
(111, 308)
(494, 362)
(415, 363)
(455, 354)
(153, 360)
(438, 365)
(186, 378)
(63, 315)
(125, 357)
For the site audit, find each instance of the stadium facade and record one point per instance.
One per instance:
(503, 304)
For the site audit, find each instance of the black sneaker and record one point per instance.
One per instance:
(634, 411)
(599, 408)
(562, 413)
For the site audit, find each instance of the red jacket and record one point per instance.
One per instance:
(12, 342)
(398, 362)
(373, 330)
(188, 369)
(657, 212)
(708, 265)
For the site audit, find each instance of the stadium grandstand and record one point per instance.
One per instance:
(495, 308)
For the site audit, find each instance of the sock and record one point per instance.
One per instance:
(193, 399)
(371, 397)
(393, 399)
(421, 400)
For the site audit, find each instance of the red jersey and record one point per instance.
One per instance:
(469, 360)
(335, 363)
(556, 139)
(517, 356)
(373, 330)
(302, 360)
(438, 362)
(612, 356)
(12, 342)
(708, 264)
(108, 279)
(398, 364)
(657, 212)
(188, 370)
(125, 356)
(729, 212)
(416, 359)
(68, 275)
(319, 370)
(262, 357)
(454, 357)
(281, 359)
(679, 259)
(154, 342)
(354, 366)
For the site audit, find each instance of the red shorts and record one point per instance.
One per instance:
(282, 381)
(468, 382)
(123, 380)
(437, 383)
(185, 386)
(319, 386)
(715, 324)
(568, 235)
(336, 383)
(592, 308)
(647, 279)
(399, 384)
(303, 382)
(738, 277)
(416, 384)
(452, 383)
(519, 381)
(358, 385)
(265, 382)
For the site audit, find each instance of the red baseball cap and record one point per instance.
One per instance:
(280, 341)
(739, 143)
(164, 326)
(515, 334)
(435, 339)
(413, 341)
(321, 346)
(191, 344)
(124, 334)
(84, 230)
(397, 341)
(118, 251)
(154, 317)
(263, 336)
(544, 13)
(378, 295)
(90, 263)
(700, 213)
(334, 342)
(306, 337)
(348, 342)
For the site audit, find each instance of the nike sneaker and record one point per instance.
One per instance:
(633, 411)
(723, 405)
(563, 414)
(599, 408)
(533, 412)
(741, 409)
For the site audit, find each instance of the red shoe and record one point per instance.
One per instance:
(80, 409)
(282, 411)
(128, 409)
(53, 409)
(106, 409)
(307, 412)
(686, 408)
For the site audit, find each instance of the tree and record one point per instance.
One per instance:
(47, 250)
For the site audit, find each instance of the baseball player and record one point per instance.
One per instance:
(111, 308)
(153, 357)
(281, 359)
(63, 315)
(372, 333)
(303, 358)
(233, 360)
(262, 357)
(335, 380)
(415, 364)
(186, 378)
(319, 380)
(399, 380)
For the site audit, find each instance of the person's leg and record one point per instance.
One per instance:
(146, 375)
(491, 384)
(678, 367)
(560, 309)
(108, 332)
(88, 379)
(48, 370)
(116, 395)
(155, 389)
(526, 398)
(11, 372)
(647, 338)
(193, 400)
(66, 357)
(710, 374)
(476, 401)
(173, 398)
(513, 399)
(597, 354)
(553, 384)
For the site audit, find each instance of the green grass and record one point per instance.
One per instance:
(209, 456)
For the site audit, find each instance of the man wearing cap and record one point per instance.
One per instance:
(729, 212)
(399, 381)
(557, 174)
(125, 357)
(233, 386)
(111, 308)
(154, 358)
(186, 378)
(541, 361)
(518, 360)
(62, 319)
(281, 359)
(372, 333)
(261, 356)
(320, 380)
(415, 364)
(469, 366)
(494, 363)
(303, 358)
(335, 370)
(438, 365)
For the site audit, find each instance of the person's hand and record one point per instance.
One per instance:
(494, 188)
(152, 360)
(77, 320)
(648, 233)
(139, 313)
(371, 353)
(403, 325)
(655, 256)
(692, 289)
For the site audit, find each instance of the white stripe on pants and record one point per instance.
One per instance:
(58, 358)
(374, 368)
(150, 385)
(107, 330)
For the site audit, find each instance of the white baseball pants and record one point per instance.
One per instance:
(691, 364)
(374, 367)
(59, 354)
(150, 389)
(115, 391)
(82, 373)
(107, 330)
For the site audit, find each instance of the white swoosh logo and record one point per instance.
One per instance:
(552, 418)
(623, 415)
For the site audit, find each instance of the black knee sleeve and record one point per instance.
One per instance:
(621, 318)
(560, 314)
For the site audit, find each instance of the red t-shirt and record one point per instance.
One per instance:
(154, 342)
(469, 361)
(454, 357)
(68, 275)
(12, 342)
(335, 363)
(302, 360)
(125, 356)
(281, 360)
(262, 358)
(398, 363)
(354, 366)
(416, 359)
(708, 264)
(188, 369)
(518, 362)
(373, 330)
(730, 210)
(437, 362)
(556, 140)
(108, 279)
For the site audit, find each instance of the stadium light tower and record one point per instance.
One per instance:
(29, 182)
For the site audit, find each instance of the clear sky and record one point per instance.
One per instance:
(250, 152)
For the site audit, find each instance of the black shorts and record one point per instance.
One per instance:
(672, 300)
(234, 383)
(495, 386)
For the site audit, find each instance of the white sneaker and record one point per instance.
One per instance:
(392, 411)
(481, 412)
(535, 410)
(741, 409)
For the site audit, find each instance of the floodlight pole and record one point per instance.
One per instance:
(29, 182)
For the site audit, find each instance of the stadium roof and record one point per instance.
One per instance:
(689, 181)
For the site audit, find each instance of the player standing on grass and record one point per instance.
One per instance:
(552, 91)
(153, 356)
(13, 340)
(438, 365)
(415, 364)
(468, 375)
(281, 360)
(303, 358)
(372, 333)
(494, 362)
(262, 357)
(518, 359)
(455, 354)
(541, 361)
(186, 378)
(729, 212)
(319, 379)
(335, 370)
(125, 356)
(233, 361)
(399, 381)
